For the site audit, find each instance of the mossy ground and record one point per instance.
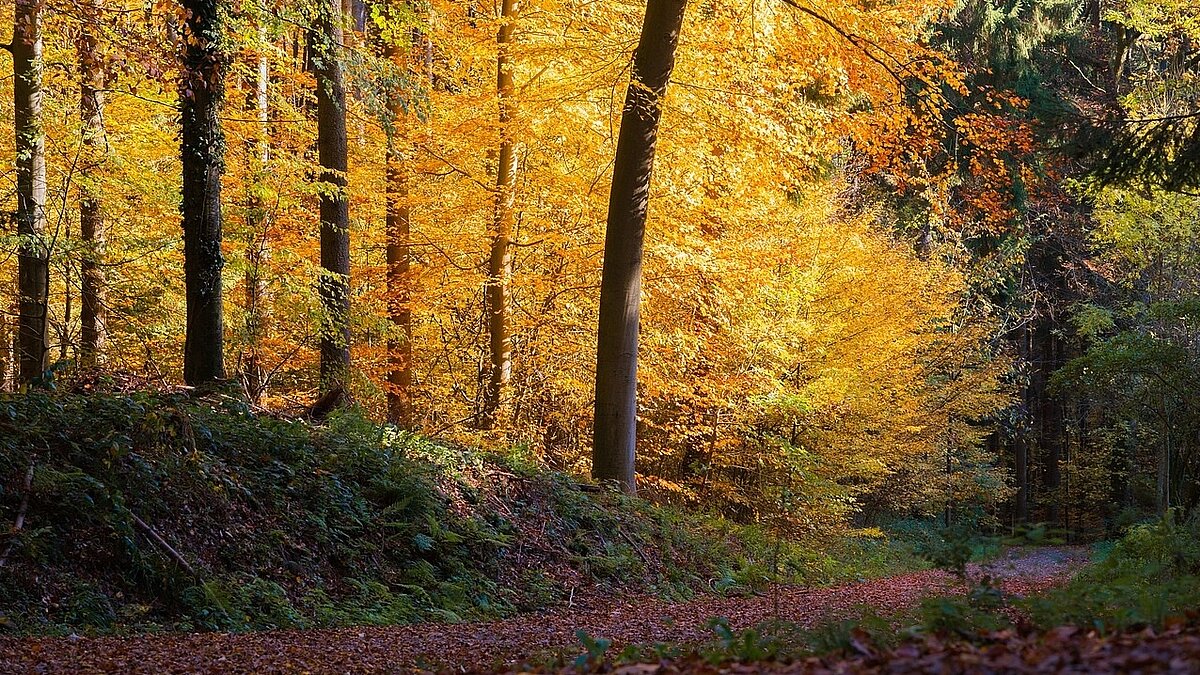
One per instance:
(284, 523)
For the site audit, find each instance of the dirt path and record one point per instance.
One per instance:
(490, 645)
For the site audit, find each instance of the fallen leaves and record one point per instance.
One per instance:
(494, 645)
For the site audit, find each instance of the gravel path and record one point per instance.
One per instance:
(484, 646)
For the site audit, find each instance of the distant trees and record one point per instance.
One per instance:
(258, 244)
(615, 420)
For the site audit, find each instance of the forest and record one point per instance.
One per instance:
(643, 336)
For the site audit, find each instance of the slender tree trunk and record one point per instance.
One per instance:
(1051, 439)
(500, 261)
(64, 325)
(33, 254)
(202, 148)
(334, 285)
(615, 422)
(1021, 438)
(6, 356)
(258, 251)
(91, 214)
(399, 230)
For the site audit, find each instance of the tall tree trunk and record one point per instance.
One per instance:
(91, 214)
(6, 354)
(500, 261)
(1021, 436)
(1051, 414)
(202, 148)
(399, 261)
(334, 285)
(615, 422)
(33, 254)
(258, 251)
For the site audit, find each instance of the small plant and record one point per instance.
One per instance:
(595, 650)
(747, 645)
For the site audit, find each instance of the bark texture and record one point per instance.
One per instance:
(334, 285)
(615, 422)
(202, 149)
(500, 260)
(92, 225)
(33, 254)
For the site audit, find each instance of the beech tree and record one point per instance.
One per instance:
(399, 230)
(500, 260)
(33, 253)
(202, 144)
(615, 420)
(325, 41)
(91, 211)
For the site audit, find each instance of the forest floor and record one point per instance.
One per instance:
(528, 638)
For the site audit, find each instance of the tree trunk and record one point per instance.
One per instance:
(258, 251)
(1021, 438)
(334, 285)
(202, 148)
(91, 214)
(615, 422)
(33, 254)
(500, 261)
(399, 393)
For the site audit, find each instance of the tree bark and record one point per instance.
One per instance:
(500, 260)
(615, 421)
(33, 254)
(334, 285)
(399, 261)
(202, 149)
(93, 232)
(258, 251)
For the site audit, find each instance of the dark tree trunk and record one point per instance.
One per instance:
(1020, 439)
(615, 422)
(202, 148)
(500, 261)
(334, 285)
(91, 213)
(399, 261)
(1050, 439)
(33, 254)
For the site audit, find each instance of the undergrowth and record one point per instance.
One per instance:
(157, 511)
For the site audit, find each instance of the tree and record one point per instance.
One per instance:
(615, 420)
(325, 40)
(33, 256)
(399, 256)
(500, 260)
(201, 90)
(91, 210)
(258, 251)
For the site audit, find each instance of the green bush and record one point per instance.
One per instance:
(1149, 575)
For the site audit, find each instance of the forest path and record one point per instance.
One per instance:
(481, 646)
